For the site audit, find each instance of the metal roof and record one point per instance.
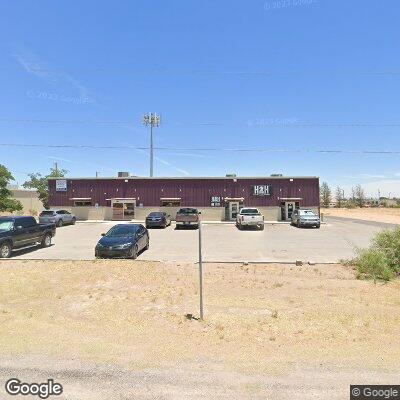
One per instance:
(185, 177)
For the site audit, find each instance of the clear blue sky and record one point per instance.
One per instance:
(197, 62)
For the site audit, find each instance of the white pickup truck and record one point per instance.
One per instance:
(250, 217)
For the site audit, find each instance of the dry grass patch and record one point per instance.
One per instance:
(257, 316)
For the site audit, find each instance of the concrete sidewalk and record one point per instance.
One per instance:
(141, 221)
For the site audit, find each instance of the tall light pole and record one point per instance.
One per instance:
(151, 120)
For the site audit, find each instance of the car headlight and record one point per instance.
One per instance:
(125, 246)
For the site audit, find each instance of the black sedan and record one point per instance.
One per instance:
(158, 220)
(123, 241)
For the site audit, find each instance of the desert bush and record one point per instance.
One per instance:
(388, 242)
(382, 259)
(372, 263)
(350, 204)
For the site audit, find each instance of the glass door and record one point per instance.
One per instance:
(123, 210)
(118, 211)
(129, 211)
(290, 207)
(233, 210)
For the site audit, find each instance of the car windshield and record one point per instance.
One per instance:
(6, 225)
(46, 213)
(122, 230)
(155, 214)
(307, 212)
(249, 211)
(187, 211)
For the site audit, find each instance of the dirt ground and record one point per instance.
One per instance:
(117, 330)
(389, 215)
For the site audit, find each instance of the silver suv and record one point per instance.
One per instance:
(57, 217)
(302, 218)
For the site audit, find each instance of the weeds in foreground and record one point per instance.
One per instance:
(382, 259)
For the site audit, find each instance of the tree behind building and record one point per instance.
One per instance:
(41, 184)
(7, 203)
(325, 194)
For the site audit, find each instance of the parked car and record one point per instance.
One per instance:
(302, 218)
(187, 217)
(158, 219)
(19, 232)
(250, 217)
(123, 241)
(58, 217)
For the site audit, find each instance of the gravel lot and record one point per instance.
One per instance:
(117, 330)
(335, 240)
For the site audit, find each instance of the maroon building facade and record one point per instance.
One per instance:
(219, 198)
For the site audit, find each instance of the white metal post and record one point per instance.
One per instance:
(200, 273)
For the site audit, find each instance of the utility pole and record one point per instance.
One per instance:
(200, 272)
(56, 168)
(151, 120)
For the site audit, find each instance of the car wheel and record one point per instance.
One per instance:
(46, 242)
(262, 227)
(318, 226)
(60, 223)
(239, 227)
(5, 250)
(73, 221)
(298, 224)
(147, 227)
(134, 252)
(147, 245)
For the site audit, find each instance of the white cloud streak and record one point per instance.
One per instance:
(31, 63)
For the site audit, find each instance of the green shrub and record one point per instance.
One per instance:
(350, 204)
(372, 263)
(388, 242)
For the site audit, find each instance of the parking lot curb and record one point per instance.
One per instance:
(244, 262)
(305, 263)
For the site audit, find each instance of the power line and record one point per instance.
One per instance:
(131, 70)
(205, 149)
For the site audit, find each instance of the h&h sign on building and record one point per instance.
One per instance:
(261, 190)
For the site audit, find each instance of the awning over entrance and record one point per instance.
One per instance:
(80, 198)
(122, 200)
(291, 198)
(170, 198)
(227, 199)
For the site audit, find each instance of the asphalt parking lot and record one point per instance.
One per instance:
(336, 240)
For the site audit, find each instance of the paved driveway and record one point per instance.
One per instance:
(223, 242)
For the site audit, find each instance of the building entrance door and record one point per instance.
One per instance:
(290, 206)
(233, 210)
(123, 210)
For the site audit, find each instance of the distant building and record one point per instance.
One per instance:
(29, 200)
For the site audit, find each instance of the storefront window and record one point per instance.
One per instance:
(82, 203)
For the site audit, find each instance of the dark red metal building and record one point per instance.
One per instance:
(143, 193)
